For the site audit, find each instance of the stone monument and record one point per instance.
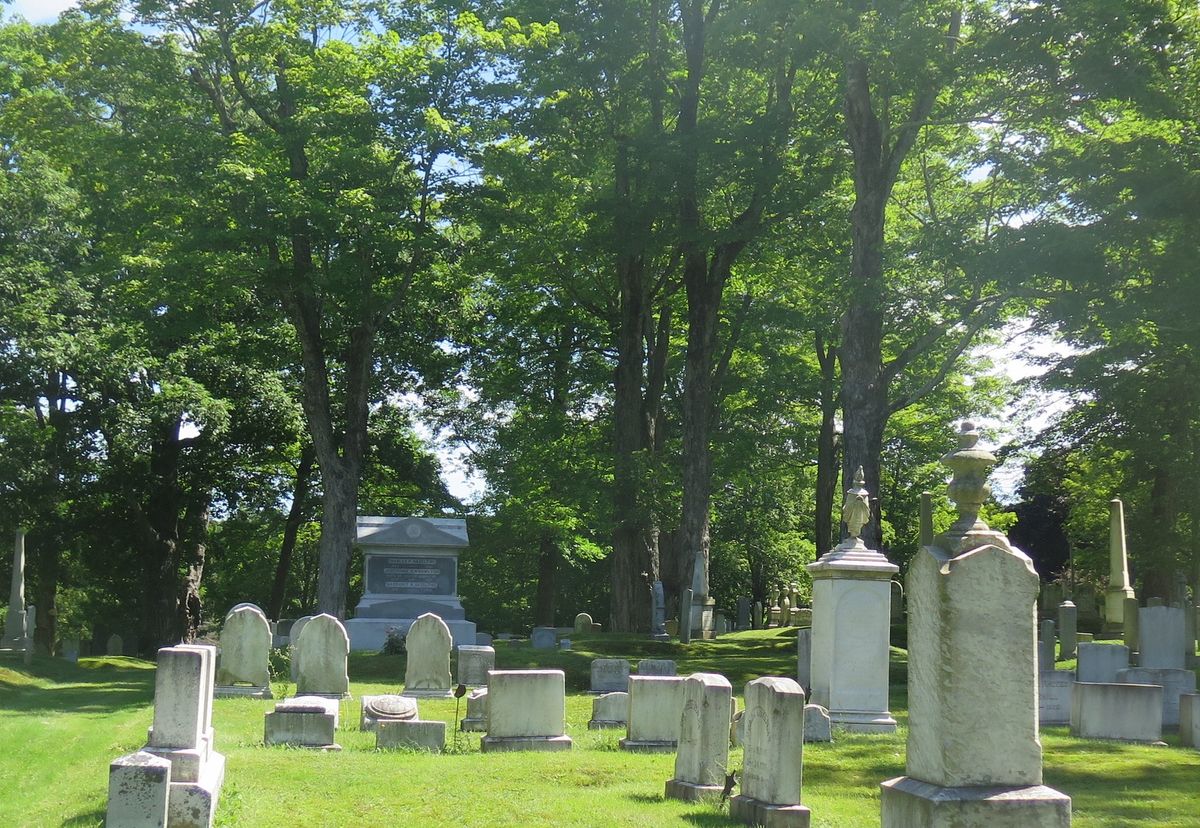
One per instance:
(427, 669)
(772, 761)
(323, 647)
(852, 625)
(703, 738)
(973, 755)
(1119, 587)
(1068, 627)
(410, 567)
(17, 634)
(243, 669)
(527, 710)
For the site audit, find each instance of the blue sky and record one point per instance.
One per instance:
(37, 11)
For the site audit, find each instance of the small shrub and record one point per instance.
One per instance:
(395, 644)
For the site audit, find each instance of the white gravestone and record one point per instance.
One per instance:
(323, 648)
(583, 623)
(772, 760)
(411, 735)
(851, 625)
(1100, 663)
(1161, 638)
(427, 672)
(1189, 720)
(804, 656)
(656, 667)
(474, 661)
(1124, 712)
(1173, 682)
(476, 719)
(610, 675)
(1068, 615)
(817, 725)
(527, 710)
(703, 755)
(293, 648)
(302, 721)
(244, 666)
(973, 749)
(609, 711)
(138, 790)
(1054, 697)
(655, 705)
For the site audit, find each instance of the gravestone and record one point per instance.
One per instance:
(427, 671)
(897, 607)
(18, 629)
(1054, 697)
(785, 611)
(70, 647)
(720, 624)
(609, 711)
(656, 667)
(1045, 647)
(1100, 663)
(483, 640)
(703, 753)
(474, 663)
(851, 626)
(1189, 720)
(526, 711)
(743, 614)
(410, 569)
(323, 647)
(293, 649)
(244, 666)
(685, 626)
(973, 755)
(376, 709)
(564, 644)
(774, 612)
(658, 613)
(411, 735)
(1131, 624)
(543, 638)
(138, 790)
(772, 759)
(1161, 638)
(114, 645)
(610, 675)
(1067, 620)
(757, 618)
(303, 721)
(1124, 712)
(817, 725)
(655, 703)
(804, 656)
(1174, 683)
(476, 719)
(1119, 587)
(583, 623)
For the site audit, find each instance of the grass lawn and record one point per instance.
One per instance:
(61, 724)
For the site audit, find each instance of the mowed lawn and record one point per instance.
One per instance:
(61, 724)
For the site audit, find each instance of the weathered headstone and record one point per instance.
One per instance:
(897, 607)
(427, 671)
(583, 623)
(685, 624)
(1125, 712)
(802, 616)
(303, 721)
(655, 703)
(1131, 624)
(293, 648)
(1189, 720)
(1100, 663)
(973, 757)
(474, 661)
(1054, 697)
(543, 638)
(244, 667)
(1045, 647)
(658, 613)
(1067, 627)
(772, 761)
(412, 735)
(139, 786)
(609, 711)
(757, 618)
(610, 675)
(656, 667)
(703, 754)
(743, 614)
(483, 640)
(1161, 638)
(1119, 586)
(852, 624)
(804, 656)
(1174, 683)
(114, 645)
(323, 648)
(376, 709)
(70, 649)
(526, 711)
(564, 643)
(476, 719)
(817, 725)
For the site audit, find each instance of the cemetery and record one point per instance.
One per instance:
(669, 413)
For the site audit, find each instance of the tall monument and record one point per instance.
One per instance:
(1119, 587)
(974, 757)
(17, 638)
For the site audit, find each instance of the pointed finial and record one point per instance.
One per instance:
(856, 509)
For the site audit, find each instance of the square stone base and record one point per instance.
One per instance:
(911, 803)
(300, 729)
(640, 746)
(678, 789)
(752, 812)
(194, 804)
(242, 691)
(497, 744)
(858, 722)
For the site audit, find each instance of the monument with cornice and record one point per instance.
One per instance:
(410, 567)
(974, 757)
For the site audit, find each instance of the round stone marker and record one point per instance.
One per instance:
(392, 707)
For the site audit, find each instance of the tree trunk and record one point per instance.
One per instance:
(339, 530)
(190, 606)
(296, 516)
(1157, 558)
(549, 557)
(827, 449)
(48, 557)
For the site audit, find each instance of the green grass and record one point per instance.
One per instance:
(61, 724)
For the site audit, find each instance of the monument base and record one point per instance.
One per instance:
(498, 744)
(688, 792)
(646, 746)
(702, 618)
(427, 694)
(911, 803)
(371, 633)
(242, 691)
(860, 722)
(752, 812)
(193, 804)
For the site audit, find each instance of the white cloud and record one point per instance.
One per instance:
(39, 11)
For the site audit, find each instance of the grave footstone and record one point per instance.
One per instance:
(1123, 712)
(703, 753)
(543, 638)
(303, 721)
(609, 711)
(1100, 663)
(772, 759)
(610, 675)
(476, 719)
(655, 703)
(526, 711)
(323, 648)
(564, 644)
(244, 667)
(427, 671)
(474, 663)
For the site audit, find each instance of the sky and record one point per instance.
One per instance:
(38, 11)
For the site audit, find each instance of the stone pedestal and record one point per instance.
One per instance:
(703, 754)
(850, 631)
(1119, 588)
(909, 802)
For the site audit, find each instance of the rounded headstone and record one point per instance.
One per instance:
(583, 623)
(428, 644)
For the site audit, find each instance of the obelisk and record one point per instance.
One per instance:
(1119, 587)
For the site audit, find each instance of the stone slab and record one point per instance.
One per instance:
(474, 661)
(138, 788)
(657, 667)
(749, 811)
(686, 791)
(1122, 712)
(500, 744)
(1161, 638)
(610, 675)
(655, 705)
(818, 727)
(1189, 720)
(911, 803)
(1174, 683)
(1054, 697)
(413, 735)
(526, 703)
(610, 710)
(194, 804)
(476, 719)
(543, 638)
(1100, 663)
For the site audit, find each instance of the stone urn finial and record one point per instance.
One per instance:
(856, 509)
(968, 486)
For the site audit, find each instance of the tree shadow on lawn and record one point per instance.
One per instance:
(52, 685)
(89, 818)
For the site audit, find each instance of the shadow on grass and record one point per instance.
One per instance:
(91, 686)
(85, 819)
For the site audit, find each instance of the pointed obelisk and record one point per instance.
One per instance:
(16, 635)
(1119, 587)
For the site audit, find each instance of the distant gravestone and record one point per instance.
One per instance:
(303, 721)
(427, 672)
(703, 754)
(657, 667)
(743, 614)
(583, 623)
(1130, 631)
(244, 668)
(610, 675)
(115, 645)
(1174, 684)
(817, 725)
(1067, 619)
(685, 617)
(1100, 663)
(294, 650)
(804, 656)
(483, 640)
(897, 610)
(1189, 720)
(564, 644)
(1054, 697)
(70, 649)
(658, 613)
(1045, 647)
(543, 638)
(772, 755)
(758, 615)
(610, 710)
(1124, 712)
(324, 647)
(1161, 638)
(474, 663)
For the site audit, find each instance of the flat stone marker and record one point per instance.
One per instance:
(413, 735)
(1189, 720)
(817, 725)
(610, 675)
(245, 654)
(1123, 712)
(323, 648)
(138, 789)
(1174, 683)
(526, 711)
(543, 638)
(477, 718)
(655, 706)
(703, 755)
(1100, 663)
(303, 721)
(474, 663)
(1054, 697)
(389, 708)
(609, 711)
(773, 757)
(427, 671)
(656, 667)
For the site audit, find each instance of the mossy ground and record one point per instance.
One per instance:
(61, 724)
